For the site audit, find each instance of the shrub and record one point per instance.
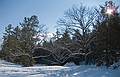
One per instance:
(24, 60)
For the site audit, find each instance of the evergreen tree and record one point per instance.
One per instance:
(7, 45)
(19, 42)
(28, 31)
(65, 40)
(107, 38)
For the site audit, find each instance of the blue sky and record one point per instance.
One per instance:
(48, 11)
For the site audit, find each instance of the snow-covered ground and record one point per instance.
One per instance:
(11, 70)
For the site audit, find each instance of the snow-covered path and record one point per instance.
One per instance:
(11, 70)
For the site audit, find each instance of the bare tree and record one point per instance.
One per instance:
(80, 18)
(61, 54)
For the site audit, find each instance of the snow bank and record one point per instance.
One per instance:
(69, 70)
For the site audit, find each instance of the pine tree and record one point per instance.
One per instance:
(28, 31)
(7, 45)
(19, 43)
(65, 40)
(107, 38)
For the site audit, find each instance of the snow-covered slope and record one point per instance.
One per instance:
(11, 70)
